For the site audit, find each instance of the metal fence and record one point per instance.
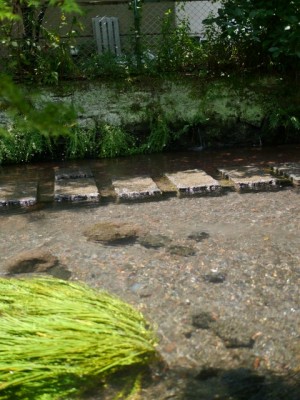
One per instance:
(119, 26)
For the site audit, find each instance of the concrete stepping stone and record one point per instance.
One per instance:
(135, 188)
(18, 193)
(289, 170)
(72, 173)
(249, 177)
(194, 181)
(75, 184)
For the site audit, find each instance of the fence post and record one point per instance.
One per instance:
(137, 5)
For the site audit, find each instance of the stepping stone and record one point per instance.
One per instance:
(18, 193)
(136, 188)
(72, 173)
(194, 181)
(289, 170)
(75, 184)
(249, 177)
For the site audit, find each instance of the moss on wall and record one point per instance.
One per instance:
(158, 114)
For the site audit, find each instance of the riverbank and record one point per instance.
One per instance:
(144, 115)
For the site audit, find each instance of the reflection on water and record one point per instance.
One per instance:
(154, 165)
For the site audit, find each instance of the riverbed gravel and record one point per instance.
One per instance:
(220, 285)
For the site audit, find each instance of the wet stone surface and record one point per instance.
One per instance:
(179, 250)
(16, 192)
(289, 170)
(154, 241)
(112, 233)
(193, 181)
(249, 177)
(235, 339)
(135, 188)
(35, 261)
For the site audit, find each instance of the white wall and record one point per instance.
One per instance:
(196, 12)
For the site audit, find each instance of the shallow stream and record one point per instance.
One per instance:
(222, 290)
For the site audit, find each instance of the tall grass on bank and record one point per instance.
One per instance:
(59, 338)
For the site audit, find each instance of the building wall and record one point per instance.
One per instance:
(152, 13)
(151, 22)
(195, 12)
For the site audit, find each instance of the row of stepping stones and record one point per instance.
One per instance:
(78, 184)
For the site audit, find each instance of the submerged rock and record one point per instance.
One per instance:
(179, 250)
(203, 320)
(234, 334)
(60, 272)
(154, 241)
(198, 236)
(36, 260)
(215, 277)
(112, 233)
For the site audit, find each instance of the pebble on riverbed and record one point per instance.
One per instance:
(198, 236)
(214, 277)
(203, 320)
(234, 334)
(179, 250)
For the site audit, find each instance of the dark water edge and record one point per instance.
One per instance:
(207, 159)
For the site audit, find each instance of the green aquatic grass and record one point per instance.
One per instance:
(59, 338)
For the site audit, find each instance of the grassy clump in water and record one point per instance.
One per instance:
(59, 338)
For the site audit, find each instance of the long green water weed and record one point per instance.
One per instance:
(59, 338)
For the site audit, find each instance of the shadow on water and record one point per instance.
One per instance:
(233, 384)
(209, 384)
(208, 160)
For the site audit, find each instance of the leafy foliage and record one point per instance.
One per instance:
(81, 143)
(32, 126)
(105, 65)
(160, 135)
(261, 31)
(114, 142)
(22, 146)
(50, 119)
(40, 54)
(178, 51)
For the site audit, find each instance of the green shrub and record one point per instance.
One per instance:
(106, 64)
(177, 50)
(159, 136)
(81, 143)
(40, 55)
(261, 32)
(23, 146)
(115, 142)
